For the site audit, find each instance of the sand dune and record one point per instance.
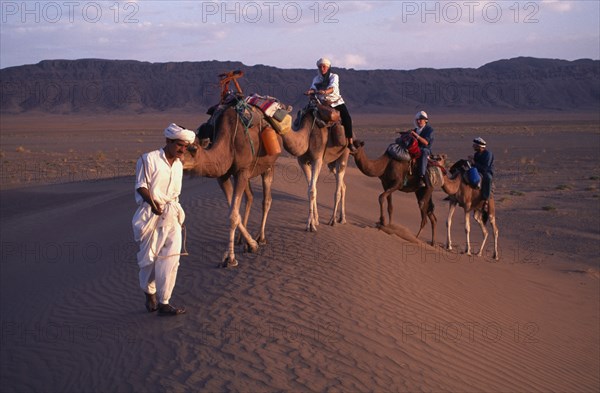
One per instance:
(348, 308)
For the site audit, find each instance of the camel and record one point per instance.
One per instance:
(238, 153)
(397, 175)
(460, 193)
(309, 141)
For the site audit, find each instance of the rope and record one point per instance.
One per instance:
(240, 108)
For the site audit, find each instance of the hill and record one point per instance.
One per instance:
(102, 86)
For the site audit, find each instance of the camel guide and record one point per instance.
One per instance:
(157, 222)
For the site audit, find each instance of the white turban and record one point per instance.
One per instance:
(324, 60)
(173, 131)
(479, 141)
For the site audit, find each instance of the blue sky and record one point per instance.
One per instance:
(294, 34)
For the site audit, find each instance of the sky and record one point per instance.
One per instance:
(362, 35)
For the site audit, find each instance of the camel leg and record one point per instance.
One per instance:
(312, 176)
(227, 188)
(235, 223)
(383, 197)
(495, 231)
(390, 208)
(424, 201)
(492, 218)
(479, 219)
(433, 220)
(468, 232)
(249, 198)
(339, 195)
(451, 209)
(342, 219)
(316, 171)
(267, 181)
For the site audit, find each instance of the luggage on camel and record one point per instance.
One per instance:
(276, 113)
(405, 148)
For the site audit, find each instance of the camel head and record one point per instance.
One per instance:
(439, 158)
(358, 144)
(189, 156)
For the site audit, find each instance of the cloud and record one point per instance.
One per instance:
(558, 6)
(351, 60)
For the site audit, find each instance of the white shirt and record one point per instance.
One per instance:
(335, 98)
(164, 183)
(161, 179)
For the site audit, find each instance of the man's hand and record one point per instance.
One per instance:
(156, 209)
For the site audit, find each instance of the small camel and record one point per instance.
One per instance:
(397, 175)
(236, 153)
(469, 198)
(312, 146)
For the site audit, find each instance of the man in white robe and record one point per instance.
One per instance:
(157, 223)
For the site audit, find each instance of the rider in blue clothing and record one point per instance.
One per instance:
(483, 160)
(424, 135)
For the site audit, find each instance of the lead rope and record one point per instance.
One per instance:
(185, 252)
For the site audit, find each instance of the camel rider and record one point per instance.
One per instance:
(327, 87)
(157, 223)
(423, 133)
(483, 160)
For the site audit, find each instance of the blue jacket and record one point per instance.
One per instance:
(427, 134)
(484, 162)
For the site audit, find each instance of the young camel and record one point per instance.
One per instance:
(463, 195)
(240, 155)
(312, 146)
(397, 175)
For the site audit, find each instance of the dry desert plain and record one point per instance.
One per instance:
(348, 308)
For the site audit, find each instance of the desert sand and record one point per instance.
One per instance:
(348, 308)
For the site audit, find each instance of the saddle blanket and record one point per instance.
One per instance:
(270, 106)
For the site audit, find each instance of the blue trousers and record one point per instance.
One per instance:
(486, 185)
(422, 161)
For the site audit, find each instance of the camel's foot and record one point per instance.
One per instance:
(448, 247)
(261, 240)
(496, 256)
(228, 262)
(338, 220)
(251, 247)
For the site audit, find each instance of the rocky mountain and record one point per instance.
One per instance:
(101, 86)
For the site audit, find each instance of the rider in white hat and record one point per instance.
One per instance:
(423, 133)
(327, 87)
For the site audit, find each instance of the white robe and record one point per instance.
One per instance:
(159, 237)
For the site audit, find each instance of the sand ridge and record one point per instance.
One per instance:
(349, 308)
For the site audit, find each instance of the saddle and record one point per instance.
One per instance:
(470, 175)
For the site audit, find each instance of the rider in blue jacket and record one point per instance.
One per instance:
(483, 160)
(423, 133)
